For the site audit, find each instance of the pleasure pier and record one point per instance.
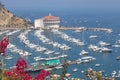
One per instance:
(60, 28)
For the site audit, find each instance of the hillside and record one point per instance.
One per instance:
(8, 19)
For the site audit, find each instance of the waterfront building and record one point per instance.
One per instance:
(47, 22)
(38, 23)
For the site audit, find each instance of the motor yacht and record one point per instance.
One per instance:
(75, 70)
(93, 37)
(83, 52)
(101, 43)
(105, 50)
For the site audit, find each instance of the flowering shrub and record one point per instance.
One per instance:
(11, 75)
(21, 65)
(42, 75)
(3, 45)
(19, 74)
(15, 75)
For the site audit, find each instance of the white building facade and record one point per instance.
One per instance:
(47, 22)
(38, 23)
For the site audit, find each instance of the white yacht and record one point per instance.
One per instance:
(83, 52)
(117, 46)
(97, 65)
(81, 44)
(109, 31)
(106, 50)
(87, 59)
(59, 67)
(118, 58)
(57, 53)
(93, 37)
(118, 41)
(82, 71)
(37, 57)
(94, 47)
(75, 69)
(101, 43)
(49, 52)
(62, 56)
(25, 53)
(51, 58)
(114, 73)
(8, 57)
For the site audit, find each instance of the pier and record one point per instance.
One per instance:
(77, 28)
(60, 28)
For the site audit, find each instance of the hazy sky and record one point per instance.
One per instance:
(61, 4)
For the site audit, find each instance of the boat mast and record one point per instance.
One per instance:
(83, 35)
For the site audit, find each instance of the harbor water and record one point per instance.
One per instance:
(107, 61)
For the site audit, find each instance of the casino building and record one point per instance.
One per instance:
(47, 22)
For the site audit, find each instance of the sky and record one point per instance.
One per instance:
(61, 4)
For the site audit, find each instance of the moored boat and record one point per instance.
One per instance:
(102, 43)
(94, 47)
(75, 69)
(97, 65)
(118, 41)
(87, 59)
(105, 50)
(93, 37)
(118, 58)
(8, 57)
(83, 52)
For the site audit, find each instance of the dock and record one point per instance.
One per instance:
(59, 66)
(60, 28)
(78, 28)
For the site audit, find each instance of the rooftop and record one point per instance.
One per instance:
(50, 17)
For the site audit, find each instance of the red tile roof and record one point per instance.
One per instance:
(50, 18)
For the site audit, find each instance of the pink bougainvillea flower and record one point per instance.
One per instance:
(26, 76)
(19, 73)
(43, 74)
(21, 65)
(3, 45)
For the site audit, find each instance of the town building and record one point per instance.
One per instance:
(47, 22)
